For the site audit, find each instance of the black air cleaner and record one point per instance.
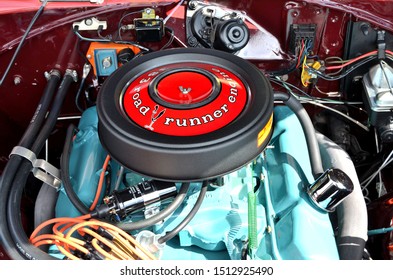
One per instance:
(185, 114)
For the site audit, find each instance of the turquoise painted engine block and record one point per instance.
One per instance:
(288, 226)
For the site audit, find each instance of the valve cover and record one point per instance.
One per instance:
(185, 115)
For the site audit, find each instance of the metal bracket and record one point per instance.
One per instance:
(381, 44)
(42, 169)
(90, 24)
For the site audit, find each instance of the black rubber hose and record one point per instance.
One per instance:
(169, 235)
(45, 204)
(308, 128)
(6, 181)
(65, 173)
(44, 209)
(40, 113)
(14, 161)
(17, 231)
(14, 202)
(50, 123)
(161, 215)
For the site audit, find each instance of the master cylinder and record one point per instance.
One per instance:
(378, 96)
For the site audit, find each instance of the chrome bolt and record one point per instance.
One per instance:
(17, 80)
(88, 21)
(192, 5)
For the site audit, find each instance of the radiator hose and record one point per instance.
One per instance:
(352, 212)
(308, 128)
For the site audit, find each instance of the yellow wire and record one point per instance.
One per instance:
(63, 240)
(106, 242)
(58, 245)
(304, 72)
(136, 244)
(68, 254)
(335, 60)
(96, 246)
(114, 228)
(123, 246)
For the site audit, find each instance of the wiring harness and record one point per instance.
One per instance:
(80, 238)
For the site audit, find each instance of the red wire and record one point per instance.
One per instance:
(300, 54)
(352, 60)
(100, 183)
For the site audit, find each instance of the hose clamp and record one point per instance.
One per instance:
(72, 73)
(42, 169)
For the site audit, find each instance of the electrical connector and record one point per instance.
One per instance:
(101, 211)
(307, 77)
(299, 32)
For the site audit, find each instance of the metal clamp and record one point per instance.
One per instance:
(42, 169)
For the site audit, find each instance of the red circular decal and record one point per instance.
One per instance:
(142, 109)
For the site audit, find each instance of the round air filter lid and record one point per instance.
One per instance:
(185, 114)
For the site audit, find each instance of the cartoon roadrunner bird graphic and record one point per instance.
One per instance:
(155, 117)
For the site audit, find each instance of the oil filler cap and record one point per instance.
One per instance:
(185, 114)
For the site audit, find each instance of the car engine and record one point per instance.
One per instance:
(196, 130)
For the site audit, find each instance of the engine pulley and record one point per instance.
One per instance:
(185, 114)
